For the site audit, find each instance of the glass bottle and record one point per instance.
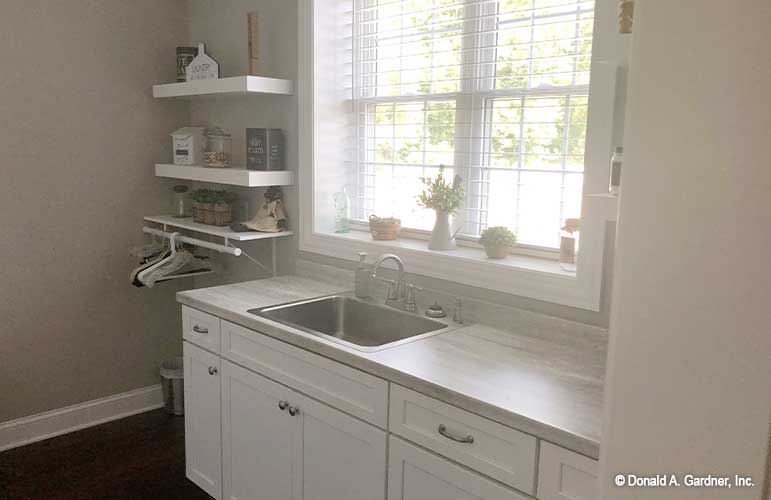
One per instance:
(342, 212)
(569, 244)
(216, 147)
(181, 201)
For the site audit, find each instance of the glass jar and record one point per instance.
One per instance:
(569, 244)
(181, 202)
(216, 147)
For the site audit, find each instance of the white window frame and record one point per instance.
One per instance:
(534, 277)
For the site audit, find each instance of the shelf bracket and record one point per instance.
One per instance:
(252, 259)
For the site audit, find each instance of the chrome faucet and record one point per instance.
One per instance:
(395, 288)
(398, 290)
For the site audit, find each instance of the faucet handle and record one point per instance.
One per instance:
(410, 304)
(457, 316)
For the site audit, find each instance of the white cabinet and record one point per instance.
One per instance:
(201, 329)
(342, 457)
(564, 475)
(202, 419)
(414, 474)
(481, 444)
(253, 431)
(281, 445)
(259, 440)
(353, 391)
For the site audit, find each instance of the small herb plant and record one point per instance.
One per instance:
(498, 236)
(390, 221)
(214, 196)
(441, 195)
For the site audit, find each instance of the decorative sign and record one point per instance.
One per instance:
(203, 67)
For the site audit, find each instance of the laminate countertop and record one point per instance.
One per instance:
(540, 375)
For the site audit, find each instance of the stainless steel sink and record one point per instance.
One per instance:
(356, 323)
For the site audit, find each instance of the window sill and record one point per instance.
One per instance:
(460, 255)
(521, 275)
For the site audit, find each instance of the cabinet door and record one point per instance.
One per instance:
(564, 475)
(415, 474)
(342, 458)
(202, 419)
(260, 441)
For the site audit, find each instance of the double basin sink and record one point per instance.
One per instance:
(356, 323)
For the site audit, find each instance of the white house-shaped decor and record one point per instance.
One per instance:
(203, 67)
(187, 145)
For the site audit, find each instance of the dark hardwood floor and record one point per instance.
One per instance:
(136, 458)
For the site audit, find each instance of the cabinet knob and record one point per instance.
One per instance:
(213, 370)
(293, 411)
(198, 329)
(282, 405)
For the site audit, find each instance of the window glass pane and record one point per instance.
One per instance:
(410, 47)
(494, 90)
(533, 168)
(411, 139)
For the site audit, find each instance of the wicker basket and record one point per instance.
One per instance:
(384, 231)
(219, 214)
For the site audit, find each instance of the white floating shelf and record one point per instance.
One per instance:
(221, 231)
(230, 85)
(231, 176)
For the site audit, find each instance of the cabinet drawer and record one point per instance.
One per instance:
(201, 329)
(340, 386)
(493, 449)
(417, 474)
(564, 475)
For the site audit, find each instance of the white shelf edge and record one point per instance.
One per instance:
(607, 202)
(221, 231)
(230, 176)
(231, 85)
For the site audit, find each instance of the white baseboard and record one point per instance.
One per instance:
(26, 430)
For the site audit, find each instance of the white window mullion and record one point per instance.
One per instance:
(464, 106)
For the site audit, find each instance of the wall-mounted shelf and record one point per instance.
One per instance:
(232, 85)
(223, 232)
(231, 176)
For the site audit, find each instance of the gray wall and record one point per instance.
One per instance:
(222, 26)
(78, 137)
(689, 360)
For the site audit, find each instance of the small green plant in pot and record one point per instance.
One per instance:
(445, 199)
(213, 207)
(498, 241)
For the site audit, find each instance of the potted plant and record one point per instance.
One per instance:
(445, 199)
(213, 207)
(498, 241)
(223, 207)
(384, 228)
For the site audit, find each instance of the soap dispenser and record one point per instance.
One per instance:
(363, 277)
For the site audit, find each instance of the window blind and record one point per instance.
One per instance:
(495, 90)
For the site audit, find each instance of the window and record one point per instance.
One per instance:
(495, 90)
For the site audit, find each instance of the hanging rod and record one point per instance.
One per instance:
(193, 241)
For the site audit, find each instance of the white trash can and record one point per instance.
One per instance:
(173, 385)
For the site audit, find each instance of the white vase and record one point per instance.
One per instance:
(442, 237)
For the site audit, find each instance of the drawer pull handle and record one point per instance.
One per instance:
(293, 411)
(443, 431)
(198, 329)
(282, 405)
(212, 370)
